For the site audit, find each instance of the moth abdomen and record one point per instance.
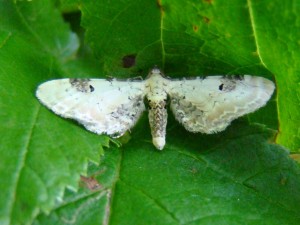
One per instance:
(158, 122)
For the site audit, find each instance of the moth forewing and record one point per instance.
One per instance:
(112, 107)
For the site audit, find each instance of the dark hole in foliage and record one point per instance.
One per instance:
(73, 18)
(129, 61)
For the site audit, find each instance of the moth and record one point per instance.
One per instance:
(113, 106)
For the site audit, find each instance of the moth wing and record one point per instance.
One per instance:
(208, 105)
(102, 106)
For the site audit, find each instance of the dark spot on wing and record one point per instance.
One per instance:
(129, 60)
(239, 77)
(234, 77)
(92, 88)
(221, 87)
(110, 78)
(81, 85)
(229, 83)
(189, 78)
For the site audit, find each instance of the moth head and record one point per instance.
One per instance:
(155, 71)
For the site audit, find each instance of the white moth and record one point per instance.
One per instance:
(112, 107)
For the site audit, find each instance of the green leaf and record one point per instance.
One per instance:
(279, 26)
(217, 182)
(41, 153)
(228, 178)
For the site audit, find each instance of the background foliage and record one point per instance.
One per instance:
(228, 178)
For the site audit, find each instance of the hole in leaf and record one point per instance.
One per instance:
(129, 61)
